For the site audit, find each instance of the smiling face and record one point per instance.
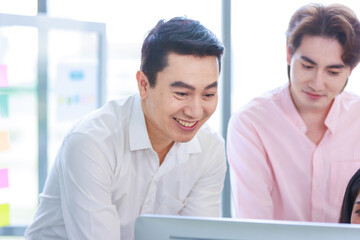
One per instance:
(317, 73)
(355, 214)
(182, 100)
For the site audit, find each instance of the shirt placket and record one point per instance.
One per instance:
(317, 186)
(150, 197)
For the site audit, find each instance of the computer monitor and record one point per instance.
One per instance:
(162, 227)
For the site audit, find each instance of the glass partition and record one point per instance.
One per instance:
(18, 117)
(51, 74)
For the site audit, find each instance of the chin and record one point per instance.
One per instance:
(184, 138)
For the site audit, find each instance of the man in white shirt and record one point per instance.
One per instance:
(146, 154)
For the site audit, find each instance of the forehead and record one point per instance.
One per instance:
(181, 61)
(358, 197)
(320, 49)
(190, 69)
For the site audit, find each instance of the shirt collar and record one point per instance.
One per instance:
(179, 154)
(138, 135)
(184, 149)
(334, 114)
(290, 109)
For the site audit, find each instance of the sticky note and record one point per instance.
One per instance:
(3, 76)
(4, 178)
(4, 141)
(76, 75)
(4, 215)
(4, 105)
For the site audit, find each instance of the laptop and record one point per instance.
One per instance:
(163, 227)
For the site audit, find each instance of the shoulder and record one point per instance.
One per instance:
(101, 135)
(110, 119)
(212, 144)
(212, 149)
(350, 100)
(208, 135)
(261, 106)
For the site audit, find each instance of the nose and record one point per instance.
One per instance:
(318, 81)
(194, 108)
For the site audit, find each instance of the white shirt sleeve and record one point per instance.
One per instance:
(205, 197)
(85, 187)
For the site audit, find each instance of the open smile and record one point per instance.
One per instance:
(185, 125)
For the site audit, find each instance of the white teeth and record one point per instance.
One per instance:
(185, 124)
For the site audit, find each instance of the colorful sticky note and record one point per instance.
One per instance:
(4, 215)
(76, 75)
(4, 105)
(3, 76)
(4, 178)
(4, 141)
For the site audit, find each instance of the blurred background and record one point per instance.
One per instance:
(60, 59)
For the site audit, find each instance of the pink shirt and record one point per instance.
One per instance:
(277, 172)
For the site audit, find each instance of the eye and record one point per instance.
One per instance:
(306, 66)
(333, 73)
(209, 95)
(181, 94)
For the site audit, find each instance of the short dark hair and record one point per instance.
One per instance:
(178, 35)
(332, 21)
(351, 192)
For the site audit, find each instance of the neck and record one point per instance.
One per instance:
(161, 149)
(314, 119)
(161, 145)
(159, 142)
(317, 115)
(315, 123)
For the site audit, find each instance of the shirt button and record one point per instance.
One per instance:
(303, 128)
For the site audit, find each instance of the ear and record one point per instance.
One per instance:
(288, 55)
(143, 84)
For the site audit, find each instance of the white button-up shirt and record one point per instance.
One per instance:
(106, 174)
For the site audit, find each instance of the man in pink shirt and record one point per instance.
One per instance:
(292, 151)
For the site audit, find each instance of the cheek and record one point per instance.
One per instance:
(337, 88)
(161, 102)
(150, 105)
(294, 71)
(355, 218)
(295, 81)
(300, 77)
(211, 106)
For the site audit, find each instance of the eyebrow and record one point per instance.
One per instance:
(214, 84)
(357, 202)
(314, 63)
(185, 85)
